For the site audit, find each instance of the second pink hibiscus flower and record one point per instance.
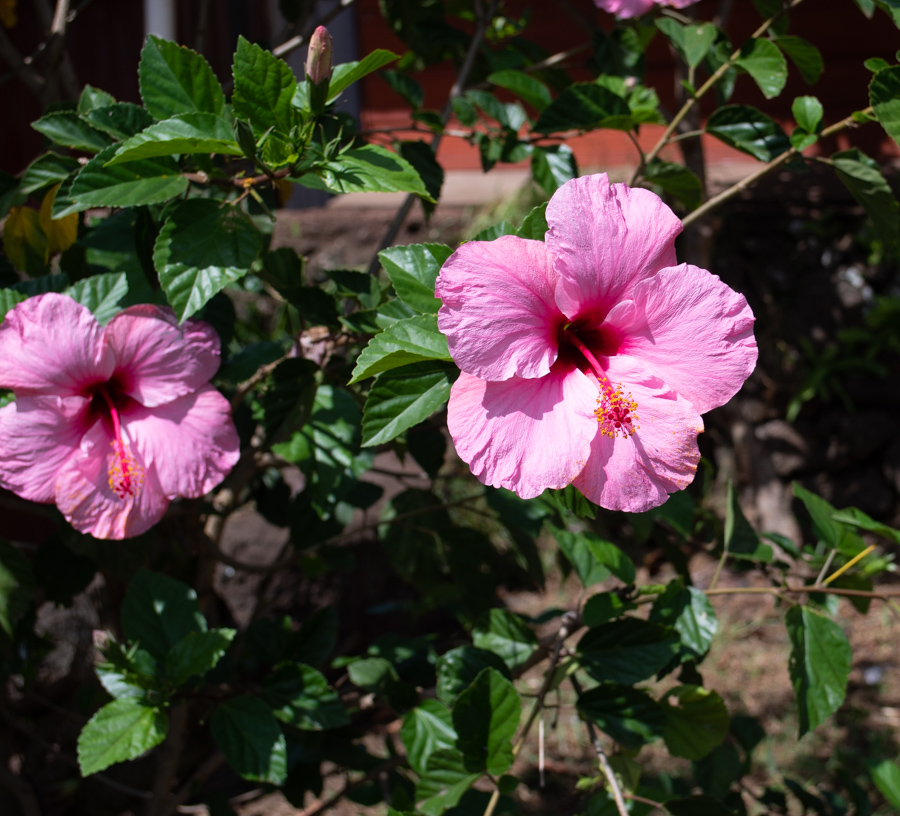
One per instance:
(588, 359)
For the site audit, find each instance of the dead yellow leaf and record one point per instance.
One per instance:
(62, 232)
(8, 16)
(23, 237)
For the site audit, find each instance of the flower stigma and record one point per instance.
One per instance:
(125, 473)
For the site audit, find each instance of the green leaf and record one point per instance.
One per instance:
(627, 650)
(585, 106)
(197, 653)
(603, 607)
(16, 585)
(886, 776)
(630, 716)
(121, 121)
(101, 294)
(185, 133)
(123, 729)
(426, 729)
(748, 130)
(413, 270)
(287, 401)
(820, 665)
(300, 696)
(175, 80)
(766, 64)
(856, 518)
(421, 156)
(804, 55)
(91, 98)
(827, 528)
(689, 612)
(691, 41)
(506, 635)
(808, 113)
(577, 551)
(863, 178)
(202, 248)
(696, 723)
(158, 612)
(458, 668)
(403, 398)
(534, 226)
(884, 96)
(367, 169)
(405, 86)
(247, 733)
(70, 130)
(486, 716)
(676, 180)
(553, 166)
(148, 181)
(344, 75)
(741, 540)
(51, 168)
(530, 90)
(444, 782)
(263, 88)
(406, 341)
(9, 298)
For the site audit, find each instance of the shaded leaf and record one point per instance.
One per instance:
(197, 653)
(627, 650)
(506, 635)
(459, 667)
(486, 716)
(427, 728)
(247, 733)
(585, 106)
(696, 723)
(300, 696)
(123, 729)
(444, 782)
(748, 130)
(529, 89)
(628, 715)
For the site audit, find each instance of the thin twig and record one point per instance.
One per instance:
(805, 590)
(825, 567)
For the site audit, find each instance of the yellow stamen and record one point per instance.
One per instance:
(125, 474)
(616, 411)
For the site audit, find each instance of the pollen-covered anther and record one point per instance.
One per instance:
(616, 412)
(125, 474)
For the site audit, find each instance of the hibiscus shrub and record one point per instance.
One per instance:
(575, 353)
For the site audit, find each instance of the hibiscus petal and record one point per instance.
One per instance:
(84, 497)
(191, 441)
(50, 344)
(605, 238)
(525, 435)
(627, 8)
(693, 331)
(638, 472)
(156, 359)
(498, 310)
(37, 436)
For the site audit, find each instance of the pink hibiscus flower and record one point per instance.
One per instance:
(588, 359)
(110, 423)
(635, 8)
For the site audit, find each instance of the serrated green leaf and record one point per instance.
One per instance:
(197, 653)
(247, 733)
(263, 89)
(101, 294)
(804, 55)
(856, 517)
(459, 667)
(630, 716)
(16, 583)
(185, 133)
(403, 398)
(202, 248)
(529, 89)
(676, 180)
(148, 181)
(444, 782)
(534, 226)
(863, 178)
(51, 168)
(9, 299)
(627, 650)
(553, 166)
(121, 121)
(367, 169)
(884, 96)
(413, 340)
(173, 79)
(696, 723)
(820, 665)
(574, 547)
(585, 106)
(413, 270)
(91, 98)
(158, 612)
(300, 696)
(427, 728)
(123, 729)
(70, 130)
(486, 716)
(507, 636)
(689, 612)
(345, 74)
(766, 64)
(748, 130)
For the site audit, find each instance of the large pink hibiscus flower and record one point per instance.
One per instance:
(635, 8)
(110, 423)
(588, 359)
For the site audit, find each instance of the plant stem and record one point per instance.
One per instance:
(841, 570)
(805, 590)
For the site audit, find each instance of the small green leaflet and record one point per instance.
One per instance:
(344, 75)
(70, 130)
(766, 64)
(185, 133)
(748, 130)
(123, 729)
(526, 87)
(366, 169)
(196, 653)
(413, 340)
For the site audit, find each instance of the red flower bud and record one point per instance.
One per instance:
(318, 59)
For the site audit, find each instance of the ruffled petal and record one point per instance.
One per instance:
(627, 8)
(50, 344)
(498, 310)
(84, 496)
(191, 442)
(525, 435)
(638, 472)
(605, 238)
(156, 359)
(37, 436)
(693, 331)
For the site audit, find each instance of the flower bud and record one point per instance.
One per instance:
(318, 59)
